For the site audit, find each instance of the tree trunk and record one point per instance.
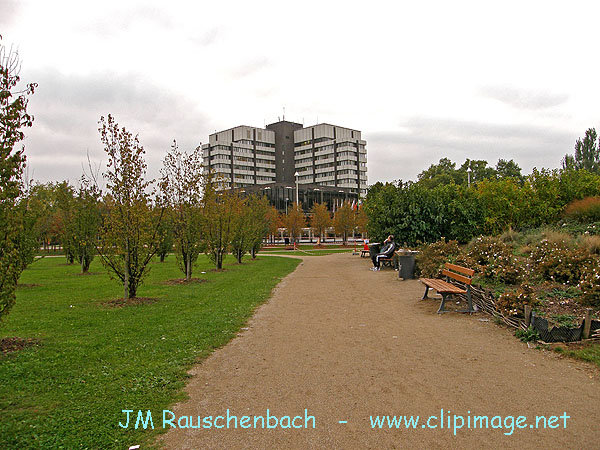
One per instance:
(126, 271)
(188, 267)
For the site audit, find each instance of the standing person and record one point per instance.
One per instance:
(386, 252)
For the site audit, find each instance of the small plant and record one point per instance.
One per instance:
(565, 320)
(560, 293)
(590, 243)
(528, 335)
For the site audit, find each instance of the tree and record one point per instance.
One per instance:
(84, 223)
(320, 220)
(479, 171)
(165, 237)
(242, 229)
(587, 153)
(64, 197)
(508, 169)
(218, 221)
(343, 221)
(129, 231)
(295, 220)
(181, 188)
(13, 119)
(260, 220)
(361, 220)
(273, 219)
(444, 172)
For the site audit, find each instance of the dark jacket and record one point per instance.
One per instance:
(388, 249)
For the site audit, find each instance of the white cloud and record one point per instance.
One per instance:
(421, 80)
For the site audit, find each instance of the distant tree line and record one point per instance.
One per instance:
(443, 203)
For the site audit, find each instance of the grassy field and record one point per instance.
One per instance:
(308, 252)
(590, 353)
(93, 360)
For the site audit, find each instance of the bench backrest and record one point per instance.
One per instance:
(459, 273)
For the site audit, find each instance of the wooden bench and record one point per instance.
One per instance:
(446, 289)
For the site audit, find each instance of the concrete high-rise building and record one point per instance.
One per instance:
(327, 163)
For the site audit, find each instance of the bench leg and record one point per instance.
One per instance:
(470, 308)
(441, 309)
(426, 291)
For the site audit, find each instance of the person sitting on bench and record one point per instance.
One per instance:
(386, 251)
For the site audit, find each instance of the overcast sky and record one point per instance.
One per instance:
(421, 80)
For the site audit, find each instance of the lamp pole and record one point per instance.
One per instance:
(469, 176)
(297, 175)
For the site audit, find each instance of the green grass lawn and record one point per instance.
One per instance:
(311, 252)
(94, 361)
(590, 353)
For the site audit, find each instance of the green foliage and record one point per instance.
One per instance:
(565, 320)
(590, 353)
(218, 221)
(431, 258)
(426, 210)
(587, 153)
(181, 193)
(129, 230)
(83, 223)
(15, 233)
(528, 335)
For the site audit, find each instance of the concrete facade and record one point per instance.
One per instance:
(330, 157)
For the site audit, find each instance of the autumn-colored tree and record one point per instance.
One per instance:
(65, 209)
(84, 223)
(295, 220)
(165, 236)
(242, 228)
(261, 224)
(273, 220)
(361, 220)
(321, 219)
(13, 211)
(181, 189)
(129, 231)
(218, 221)
(343, 221)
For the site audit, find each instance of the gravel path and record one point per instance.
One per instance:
(346, 343)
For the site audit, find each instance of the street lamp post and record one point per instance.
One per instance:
(469, 176)
(297, 175)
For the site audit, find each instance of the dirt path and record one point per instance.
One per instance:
(346, 343)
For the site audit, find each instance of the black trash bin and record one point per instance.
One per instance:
(407, 265)
(374, 249)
